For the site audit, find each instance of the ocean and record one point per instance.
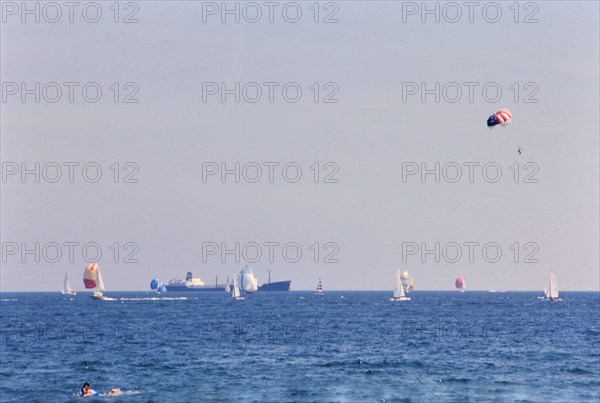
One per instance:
(298, 347)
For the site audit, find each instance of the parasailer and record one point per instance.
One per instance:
(502, 117)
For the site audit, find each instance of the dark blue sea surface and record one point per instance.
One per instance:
(296, 347)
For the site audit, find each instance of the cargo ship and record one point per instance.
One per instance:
(275, 286)
(193, 284)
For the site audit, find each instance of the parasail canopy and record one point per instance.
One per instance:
(502, 117)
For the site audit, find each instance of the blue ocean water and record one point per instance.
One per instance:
(296, 347)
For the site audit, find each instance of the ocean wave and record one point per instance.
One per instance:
(371, 365)
(123, 393)
(154, 299)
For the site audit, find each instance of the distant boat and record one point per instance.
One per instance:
(460, 283)
(227, 287)
(92, 278)
(275, 286)
(192, 283)
(235, 293)
(319, 289)
(546, 295)
(553, 290)
(67, 289)
(399, 289)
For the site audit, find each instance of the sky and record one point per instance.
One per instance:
(131, 176)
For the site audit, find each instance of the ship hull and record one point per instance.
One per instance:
(276, 286)
(183, 288)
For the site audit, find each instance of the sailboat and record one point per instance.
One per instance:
(546, 294)
(93, 279)
(399, 289)
(553, 290)
(67, 289)
(319, 290)
(235, 293)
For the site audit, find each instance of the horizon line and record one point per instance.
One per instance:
(307, 290)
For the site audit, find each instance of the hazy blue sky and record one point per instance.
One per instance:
(369, 135)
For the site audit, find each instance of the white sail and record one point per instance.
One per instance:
(100, 286)
(407, 282)
(398, 289)
(247, 281)
(67, 289)
(235, 293)
(553, 292)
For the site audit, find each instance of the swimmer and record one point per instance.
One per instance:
(86, 391)
(114, 392)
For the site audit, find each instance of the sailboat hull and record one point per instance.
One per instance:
(400, 299)
(102, 298)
